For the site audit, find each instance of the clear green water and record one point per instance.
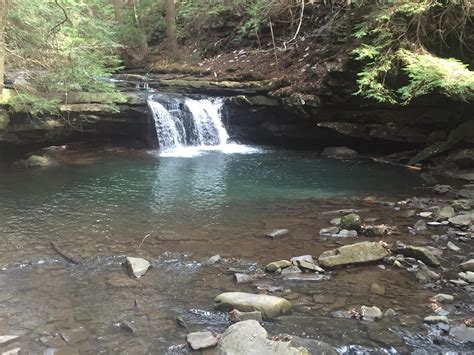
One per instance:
(143, 193)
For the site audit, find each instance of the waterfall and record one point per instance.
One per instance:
(183, 122)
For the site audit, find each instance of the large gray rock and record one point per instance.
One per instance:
(137, 266)
(250, 338)
(339, 153)
(358, 253)
(269, 306)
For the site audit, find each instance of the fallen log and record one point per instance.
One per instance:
(69, 257)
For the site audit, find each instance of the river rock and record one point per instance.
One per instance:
(250, 338)
(420, 253)
(462, 220)
(453, 247)
(313, 346)
(344, 233)
(238, 316)
(278, 265)
(435, 319)
(306, 262)
(426, 275)
(446, 213)
(443, 298)
(15, 351)
(278, 233)
(291, 270)
(371, 313)
(357, 253)
(5, 339)
(137, 266)
(214, 259)
(328, 231)
(351, 221)
(467, 265)
(468, 276)
(335, 222)
(420, 226)
(339, 153)
(461, 205)
(269, 306)
(462, 333)
(442, 189)
(201, 340)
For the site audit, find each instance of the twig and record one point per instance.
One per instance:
(143, 240)
(55, 27)
(69, 257)
(299, 25)
(274, 46)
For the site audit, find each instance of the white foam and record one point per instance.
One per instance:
(193, 151)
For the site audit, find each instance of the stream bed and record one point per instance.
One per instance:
(177, 211)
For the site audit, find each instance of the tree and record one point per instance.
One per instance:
(171, 28)
(3, 11)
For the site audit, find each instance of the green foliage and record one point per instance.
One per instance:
(33, 104)
(395, 35)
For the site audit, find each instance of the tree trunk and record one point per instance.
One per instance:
(3, 18)
(118, 11)
(171, 28)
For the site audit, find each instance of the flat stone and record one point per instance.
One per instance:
(305, 277)
(357, 253)
(442, 298)
(6, 339)
(278, 233)
(137, 266)
(238, 316)
(420, 253)
(426, 214)
(371, 313)
(436, 319)
(269, 306)
(306, 262)
(243, 278)
(347, 234)
(276, 265)
(377, 289)
(329, 231)
(291, 270)
(462, 333)
(453, 247)
(467, 265)
(462, 220)
(201, 340)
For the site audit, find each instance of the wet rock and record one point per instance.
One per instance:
(462, 333)
(420, 253)
(465, 159)
(339, 153)
(420, 226)
(435, 319)
(137, 266)
(442, 189)
(461, 205)
(313, 346)
(371, 313)
(377, 289)
(446, 213)
(335, 222)
(442, 298)
(468, 276)
(462, 220)
(269, 306)
(306, 262)
(328, 231)
(35, 161)
(277, 265)
(426, 275)
(357, 253)
(249, 337)
(6, 339)
(201, 340)
(238, 316)
(346, 234)
(459, 282)
(291, 270)
(278, 233)
(453, 247)
(351, 221)
(467, 265)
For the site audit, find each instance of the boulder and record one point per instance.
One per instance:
(420, 253)
(467, 265)
(465, 159)
(276, 265)
(339, 153)
(137, 266)
(358, 253)
(201, 340)
(269, 306)
(351, 222)
(250, 338)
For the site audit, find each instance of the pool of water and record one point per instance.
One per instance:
(177, 209)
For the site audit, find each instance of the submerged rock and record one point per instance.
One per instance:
(339, 153)
(442, 189)
(351, 221)
(357, 253)
(137, 266)
(201, 340)
(377, 289)
(278, 233)
(269, 306)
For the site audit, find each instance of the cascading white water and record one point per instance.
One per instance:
(170, 130)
